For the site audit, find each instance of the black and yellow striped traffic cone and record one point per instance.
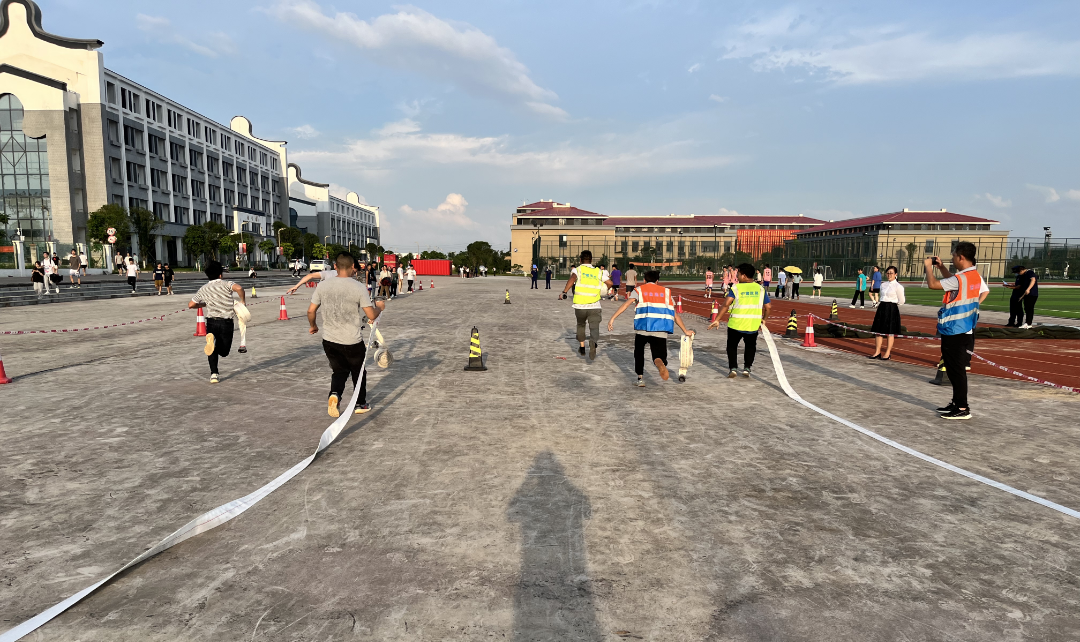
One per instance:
(792, 326)
(476, 359)
(507, 301)
(942, 377)
(834, 314)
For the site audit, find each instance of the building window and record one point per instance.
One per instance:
(117, 170)
(110, 93)
(114, 132)
(635, 246)
(179, 183)
(198, 216)
(176, 120)
(211, 165)
(129, 100)
(133, 137)
(215, 193)
(195, 158)
(241, 200)
(275, 210)
(24, 173)
(161, 211)
(193, 128)
(929, 248)
(263, 158)
(176, 152)
(215, 216)
(226, 170)
(158, 179)
(230, 197)
(727, 247)
(239, 149)
(180, 215)
(264, 181)
(251, 153)
(136, 173)
(241, 176)
(138, 203)
(265, 206)
(157, 145)
(198, 188)
(273, 163)
(209, 135)
(229, 222)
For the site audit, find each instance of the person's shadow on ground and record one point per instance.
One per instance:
(553, 598)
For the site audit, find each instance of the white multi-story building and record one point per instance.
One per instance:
(313, 209)
(77, 136)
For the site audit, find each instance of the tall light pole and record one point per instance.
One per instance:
(716, 243)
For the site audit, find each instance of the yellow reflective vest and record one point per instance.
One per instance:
(745, 310)
(587, 286)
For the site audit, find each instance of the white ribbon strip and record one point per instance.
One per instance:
(202, 523)
(889, 442)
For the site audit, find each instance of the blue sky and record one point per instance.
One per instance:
(449, 114)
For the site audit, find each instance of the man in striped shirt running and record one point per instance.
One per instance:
(216, 297)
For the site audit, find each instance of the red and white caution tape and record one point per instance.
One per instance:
(1041, 382)
(790, 392)
(202, 523)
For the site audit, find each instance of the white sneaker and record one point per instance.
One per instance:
(1026, 326)
(640, 383)
(213, 378)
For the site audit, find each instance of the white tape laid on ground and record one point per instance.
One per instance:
(200, 524)
(911, 451)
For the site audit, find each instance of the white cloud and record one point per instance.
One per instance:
(827, 215)
(726, 212)
(718, 99)
(694, 67)
(304, 131)
(418, 41)
(1049, 193)
(213, 44)
(997, 201)
(448, 214)
(608, 158)
(790, 39)
(1073, 195)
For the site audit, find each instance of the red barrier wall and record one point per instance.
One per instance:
(432, 267)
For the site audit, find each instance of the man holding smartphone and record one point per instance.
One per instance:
(959, 313)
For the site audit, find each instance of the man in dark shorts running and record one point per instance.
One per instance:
(217, 297)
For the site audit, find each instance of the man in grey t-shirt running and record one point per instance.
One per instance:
(346, 309)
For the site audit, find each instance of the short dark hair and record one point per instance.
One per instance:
(966, 250)
(213, 270)
(748, 270)
(858, 269)
(652, 276)
(344, 260)
(586, 256)
(893, 268)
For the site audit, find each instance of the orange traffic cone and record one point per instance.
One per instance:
(200, 324)
(432, 284)
(678, 304)
(3, 375)
(715, 312)
(420, 287)
(283, 315)
(808, 338)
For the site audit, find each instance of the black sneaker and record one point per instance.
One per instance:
(581, 350)
(242, 349)
(959, 413)
(949, 408)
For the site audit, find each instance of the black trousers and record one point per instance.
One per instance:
(657, 347)
(733, 339)
(346, 360)
(131, 281)
(861, 296)
(1021, 306)
(795, 289)
(547, 283)
(954, 351)
(410, 285)
(534, 285)
(222, 329)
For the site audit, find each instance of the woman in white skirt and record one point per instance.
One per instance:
(887, 318)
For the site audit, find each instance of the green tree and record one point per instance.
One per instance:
(205, 240)
(309, 241)
(432, 254)
(144, 224)
(318, 251)
(267, 246)
(228, 245)
(112, 215)
(288, 250)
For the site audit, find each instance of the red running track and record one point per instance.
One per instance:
(1053, 360)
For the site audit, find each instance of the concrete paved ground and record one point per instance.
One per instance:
(544, 499)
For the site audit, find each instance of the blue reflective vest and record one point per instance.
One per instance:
(654, 311)
(960, 309)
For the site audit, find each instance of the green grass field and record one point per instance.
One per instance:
(1053, 302)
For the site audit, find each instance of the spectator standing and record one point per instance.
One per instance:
(159, 277)
(819, 280)
(781, 284)
(547, 277)
(55, 277)
(410, 276)
(168, 276)
(959, 313)
(708, 282)
(749, 306)
(84, 264)
(796, 280)
(766, 277)
(654, 319)
(133, 274)
(534, 274)
(789, 285)
(74, 270)
(1025, 292)
(616, 281)
(631, 281)
(217, 297)
(875, 284)
(860, 289)
(47, 270)
(346, 309)
(37, 277)
(887, 317)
